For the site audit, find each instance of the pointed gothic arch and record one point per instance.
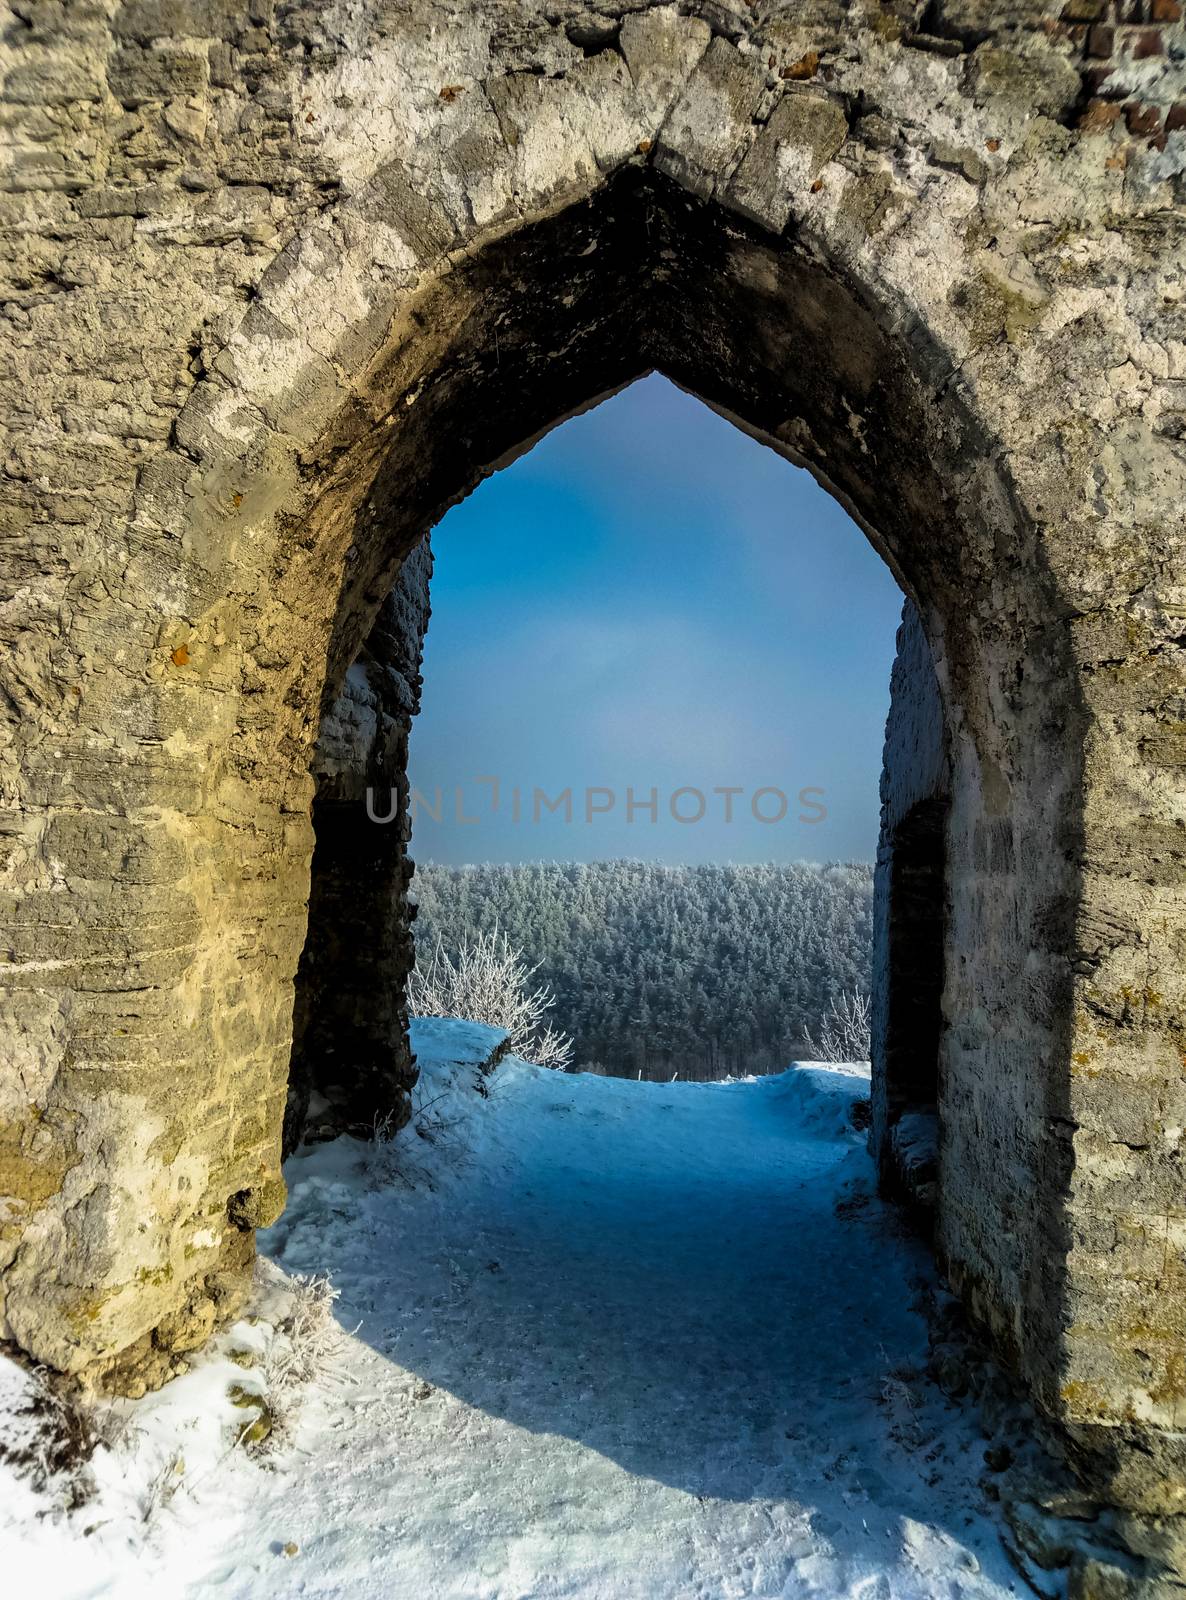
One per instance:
(514, 245)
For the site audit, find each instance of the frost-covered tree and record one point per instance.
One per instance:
(488, 981)
(844, 1031)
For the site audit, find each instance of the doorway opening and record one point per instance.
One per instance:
(615, 1277)
(655, 688)
(651, 714)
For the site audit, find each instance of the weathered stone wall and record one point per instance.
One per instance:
(284, 283)
(909, 899)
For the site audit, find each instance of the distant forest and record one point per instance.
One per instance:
(704, 971)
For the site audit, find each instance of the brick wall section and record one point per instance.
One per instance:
(1133, 66)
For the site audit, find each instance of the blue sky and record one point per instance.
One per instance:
(650, 600)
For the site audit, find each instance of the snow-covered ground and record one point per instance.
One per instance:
(600, 1338)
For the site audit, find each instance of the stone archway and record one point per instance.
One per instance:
(903, 257)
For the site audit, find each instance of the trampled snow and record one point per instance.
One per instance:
(600, 1338)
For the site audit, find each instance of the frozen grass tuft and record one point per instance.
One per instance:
(903, 1406)
(386, 1156)
(46, 1437)
(305, 1341)
(391, 1155)
(162, 1486)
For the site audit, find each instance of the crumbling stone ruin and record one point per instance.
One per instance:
(284, 281)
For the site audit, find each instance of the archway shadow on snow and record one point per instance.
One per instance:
(692, 1281)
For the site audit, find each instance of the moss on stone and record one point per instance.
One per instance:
(258, 1426)
(868, 201)
(156, 1276)
(990, 307)
(25, 1177)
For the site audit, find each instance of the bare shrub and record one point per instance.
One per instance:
(845, 1030)
(491, 982)
(551, 1049)
(48, 1437)
(306, 1339)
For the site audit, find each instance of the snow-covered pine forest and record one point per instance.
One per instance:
(706, 971)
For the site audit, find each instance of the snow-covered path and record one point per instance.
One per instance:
(615, 1339)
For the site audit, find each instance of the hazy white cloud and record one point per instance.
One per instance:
(648, 690)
